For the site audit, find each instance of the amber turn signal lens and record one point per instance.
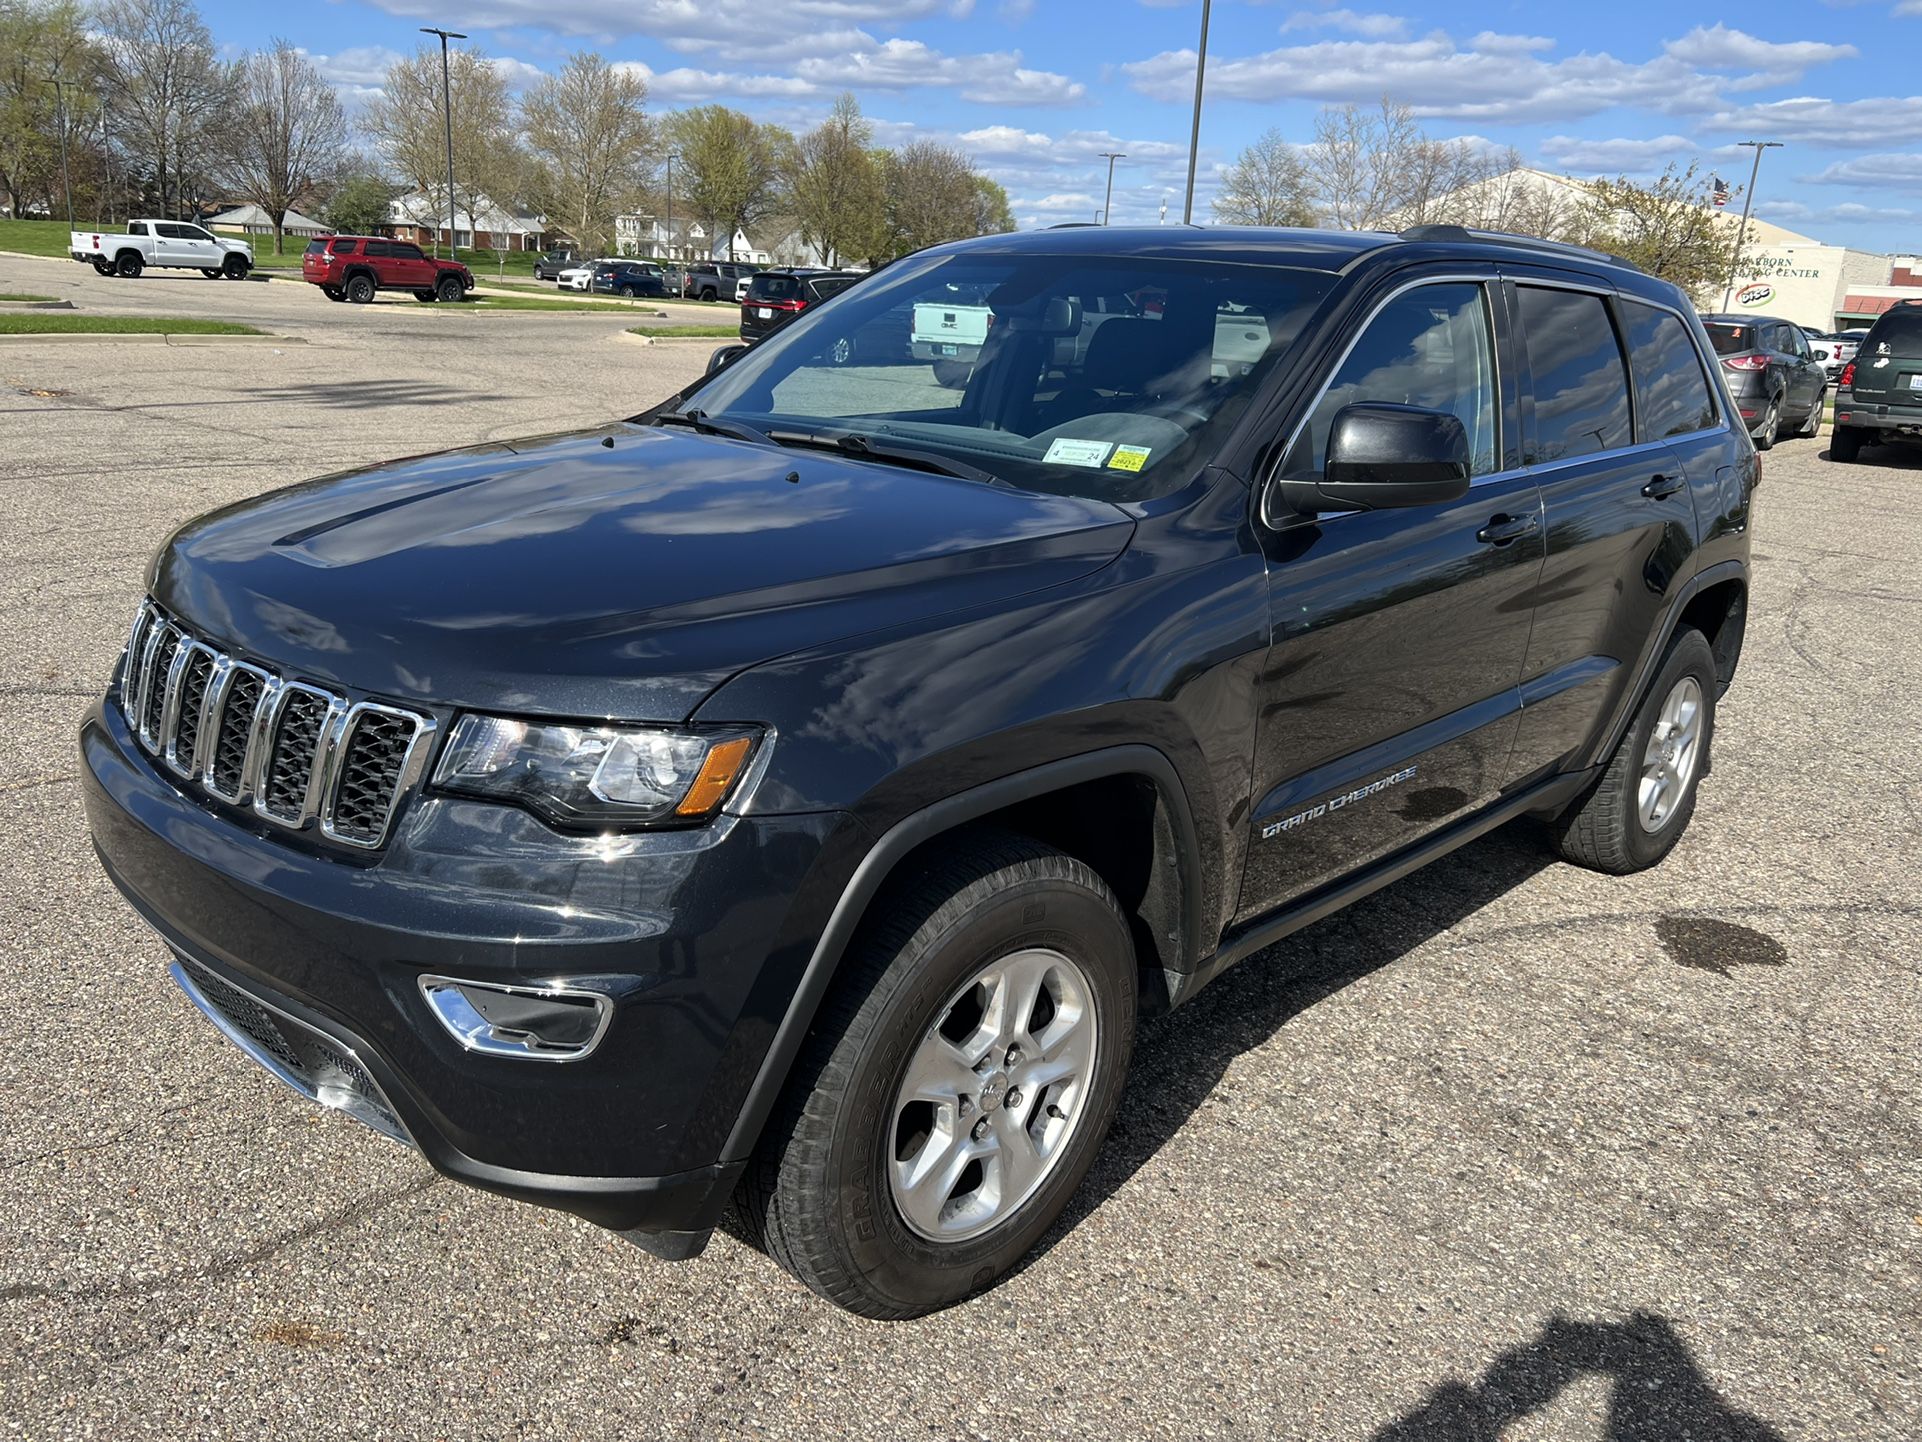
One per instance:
(718, 773)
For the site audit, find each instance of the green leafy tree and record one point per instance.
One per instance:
(40, 38)
(1666, 227)
(836, 186)
(933, 195)
(359, 204)
(732, 171)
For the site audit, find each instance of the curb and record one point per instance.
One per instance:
(20, 305)
(69, 337)
(715, 341)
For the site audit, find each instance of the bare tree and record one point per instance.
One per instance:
(1268, 184)
(932, 196)
(1358, 164)
(289, 133)
(837, 185)
(165, 87)
(992, 213)
(589, 133)
(405, 121)
(731, 169)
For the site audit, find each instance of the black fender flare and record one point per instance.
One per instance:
(926, 825)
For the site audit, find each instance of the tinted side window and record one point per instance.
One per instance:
(1669, 384)
(138, 227)
(832, 285)
(1899, 330)
(169, 231)
(1581, 388)
(403, 251)
(346, 247)
(378, 249)
(1428, 347)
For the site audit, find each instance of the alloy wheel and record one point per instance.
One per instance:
(992, 1095)
(1669, 759)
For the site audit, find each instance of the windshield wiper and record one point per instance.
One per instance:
(709, 425)
(854, 444)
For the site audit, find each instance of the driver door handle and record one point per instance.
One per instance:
(1503, 529)
(1663, 485)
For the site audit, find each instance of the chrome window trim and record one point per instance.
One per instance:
(412, 763)
(1483, 281)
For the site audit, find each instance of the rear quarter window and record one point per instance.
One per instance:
(1730, 339)
(316, 247)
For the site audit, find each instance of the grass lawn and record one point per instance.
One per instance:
(119, 325)
(23, 295)
(536, 302)
(669, 332)
(35, 237)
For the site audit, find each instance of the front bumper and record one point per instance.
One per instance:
(1890, 419)
(697, 937)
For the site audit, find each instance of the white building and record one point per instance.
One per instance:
(422, 218)
(778, 241)
(252, 220)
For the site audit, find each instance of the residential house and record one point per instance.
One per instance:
(422, 218)
(250, 219)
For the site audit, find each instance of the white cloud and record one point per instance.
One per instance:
(1813, 120)
(733, 28)
(905, 64)
(687, 86)
(517, 73)
(1374, 27)
(363, 65)
(1575, 153)
(1885, 170)
(1493, 77)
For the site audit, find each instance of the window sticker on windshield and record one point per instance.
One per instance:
(1064, 452)
(1130, 458)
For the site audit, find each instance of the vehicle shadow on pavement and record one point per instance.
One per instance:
(1180, 1058)
(1657, 1391)
(363, 395)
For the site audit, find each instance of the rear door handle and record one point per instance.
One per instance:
(1663, 485)
(1501, 530)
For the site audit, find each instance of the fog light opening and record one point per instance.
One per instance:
(526, 1023)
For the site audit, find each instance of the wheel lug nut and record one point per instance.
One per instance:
(966, 1106)
(980, 1129)
(1014, 1097)
(1014, 1056)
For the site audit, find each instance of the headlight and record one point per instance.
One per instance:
(593, 776)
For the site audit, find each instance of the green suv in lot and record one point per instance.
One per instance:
(1880, 395)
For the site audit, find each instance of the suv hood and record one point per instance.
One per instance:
(623, 572)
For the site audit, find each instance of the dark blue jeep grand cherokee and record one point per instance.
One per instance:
(791, 796)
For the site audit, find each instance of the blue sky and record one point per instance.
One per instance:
(1036, 89)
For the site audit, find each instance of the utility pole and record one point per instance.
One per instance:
(1741, 234)
(60, 84)
(447, 113)
(668, 235)
(1194, 134)
(1111, 156)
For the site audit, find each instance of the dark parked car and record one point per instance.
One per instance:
(1772, 374)
(775, 297)
(1879, 398)
(357, 267)
(551, 263)
(795, 793)
(628, 277)
(714, 280)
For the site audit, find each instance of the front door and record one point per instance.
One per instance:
(1390, 700)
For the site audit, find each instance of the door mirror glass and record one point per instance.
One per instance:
(1381, 455)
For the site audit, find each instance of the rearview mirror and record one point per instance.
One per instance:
(725, 355)
(1383, 455)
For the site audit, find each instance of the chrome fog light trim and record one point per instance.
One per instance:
(449, 999)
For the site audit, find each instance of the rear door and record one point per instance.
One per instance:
(1620, 519)
(1888, 367)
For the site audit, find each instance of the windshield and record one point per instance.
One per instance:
(1730, 339)
(1080, 375)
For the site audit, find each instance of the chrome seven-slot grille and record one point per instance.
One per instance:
(294, 754)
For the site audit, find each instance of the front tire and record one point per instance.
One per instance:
(235, 267)
(448, 289)
(1635, 814)
(957, 1084)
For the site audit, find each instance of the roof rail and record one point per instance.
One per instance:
(1504, 237)
(1076, 225)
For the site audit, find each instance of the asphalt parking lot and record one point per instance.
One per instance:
(1508, 1150)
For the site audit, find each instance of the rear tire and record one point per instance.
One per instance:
(128, 265)
(1771, 425)
(448, 289)
(333, 292)
(102, 266)
(360, 289)
(210, 272)
(1635, 814)
(996, 942)
(1845, 444)
(953, 374)
(1812, 427)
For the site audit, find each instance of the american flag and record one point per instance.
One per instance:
(1718, 191)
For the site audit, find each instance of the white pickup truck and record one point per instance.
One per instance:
(168, 244)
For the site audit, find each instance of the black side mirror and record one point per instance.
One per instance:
(1382, 455)
(726, 355)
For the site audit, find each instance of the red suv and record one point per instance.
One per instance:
(355, 267)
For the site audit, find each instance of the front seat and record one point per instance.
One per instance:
(1123, 354)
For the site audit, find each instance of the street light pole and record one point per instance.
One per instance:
(447, 114)
(1194, 134)
(60, 84)
(1111, 156)
(1748, 199)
